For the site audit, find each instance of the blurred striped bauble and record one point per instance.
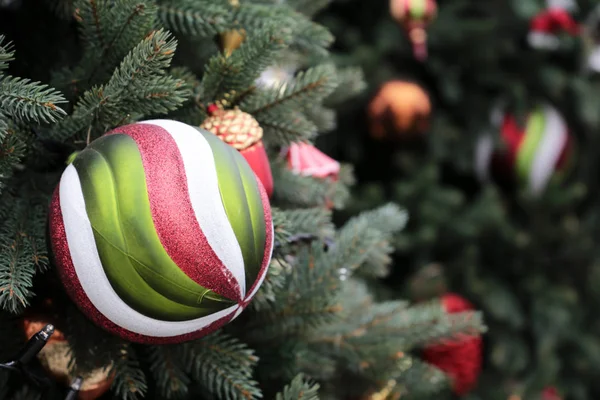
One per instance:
(161, 232)
(534, 152)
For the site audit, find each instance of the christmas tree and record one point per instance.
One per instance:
(491, 144)
(259, 76)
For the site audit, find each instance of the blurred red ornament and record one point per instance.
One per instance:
(460, 358)
(545, 27)
(414, 16)
(551, 393)
(241, 131)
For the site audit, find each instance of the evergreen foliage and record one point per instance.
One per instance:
(529, 263)
(320, 316)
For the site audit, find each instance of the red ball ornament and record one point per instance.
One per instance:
(550, 393)
(460, 359)
(535, 152)
(414, 16)
(241, 131)
(547, 25)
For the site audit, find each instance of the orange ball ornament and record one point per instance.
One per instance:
(399, 110)
(55, 357)
(414, 16)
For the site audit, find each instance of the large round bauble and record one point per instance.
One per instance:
(161, 232)
(532, 153)
(399, 110)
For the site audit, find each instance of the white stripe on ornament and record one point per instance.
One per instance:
(94, 281)
(549, 149)
(205, 196)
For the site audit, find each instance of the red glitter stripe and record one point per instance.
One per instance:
(268, 242)
(174, 218)
(68, 276)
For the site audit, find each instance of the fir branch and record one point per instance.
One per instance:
(161, 95)
(308, 87)
(109, 30)
(166, 364)
(23, 251)
(309, 37)
(307, 301)
(200, 18)
(107, 105)
(419, 372)
(279, 224)
(351, 83)
(6, 53)
(130, 381)
(369, 233)
(315, 222)
(12, 148)
(323, 118)
(25, 100)
(309, 7)
(278, 271)
(282, 129)
(224, 366)
(299, 389)
(303, 191)
(239, 71)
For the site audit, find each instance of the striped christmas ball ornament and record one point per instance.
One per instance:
(160, 232)
(533, 153)
(414, 16)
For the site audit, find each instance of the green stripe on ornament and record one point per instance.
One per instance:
(241, 199)
(136, 264)
(418, 8)
(534, 132)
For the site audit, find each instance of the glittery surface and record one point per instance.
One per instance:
(66, 271)
(172, 212)
(460, 359)
(268, 245)
(259, 162)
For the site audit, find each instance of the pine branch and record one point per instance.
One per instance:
(308, 36)
(105, 106)
(6, 53)
(311, 222)
(364, 240)
(308, 87)
(130, 381)
(309, 7)
(323, 118)
(299, 389)
(202, 18)
(351, 83)
(279, 223)
(301, 191)
(109, 30)
(23, 251)
(307, 301)
(12, 148)
(282, 129)
(278, 271)
(224, 366)
(25, 100)
(167, 366)
(239, 71)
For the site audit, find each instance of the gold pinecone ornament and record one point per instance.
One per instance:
(241, 131)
